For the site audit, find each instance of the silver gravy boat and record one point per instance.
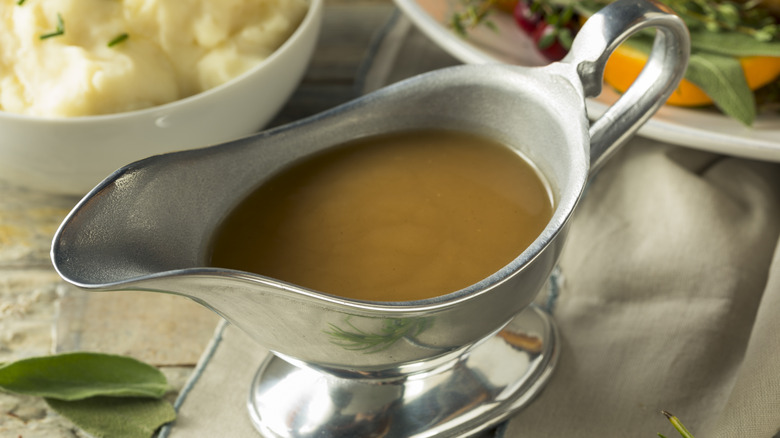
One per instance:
(447, 366)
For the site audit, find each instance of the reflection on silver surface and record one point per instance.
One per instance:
(474, 392)
(350, 337)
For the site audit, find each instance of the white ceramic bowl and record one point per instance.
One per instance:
(72, 155)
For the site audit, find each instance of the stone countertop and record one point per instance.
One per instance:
(40, 314)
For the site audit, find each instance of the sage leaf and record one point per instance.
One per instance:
(116, 417)
(75, 376)
(722, 78)
(733, 44)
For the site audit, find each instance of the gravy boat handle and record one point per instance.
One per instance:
(601, 34)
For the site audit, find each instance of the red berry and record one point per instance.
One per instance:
(527, 19)
(548, 42)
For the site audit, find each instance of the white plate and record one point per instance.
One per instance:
(700, 129)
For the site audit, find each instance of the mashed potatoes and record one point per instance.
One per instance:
(56, 59)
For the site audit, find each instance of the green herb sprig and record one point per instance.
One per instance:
(714, 16)
(683, 431)
(118, 39)
(727, 17)
(60, 30)
(474, 13)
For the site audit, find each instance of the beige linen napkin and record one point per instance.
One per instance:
(668, 298)
(666, 304)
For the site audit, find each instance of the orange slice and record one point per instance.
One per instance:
(626, 62)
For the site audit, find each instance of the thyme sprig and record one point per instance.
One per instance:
(473, 14)
(745, 17)
(715, 16)
(60, 30)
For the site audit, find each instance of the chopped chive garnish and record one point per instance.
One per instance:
(20, 2)
(118, 39)
(60, 29)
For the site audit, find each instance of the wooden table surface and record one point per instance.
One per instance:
(40, 314)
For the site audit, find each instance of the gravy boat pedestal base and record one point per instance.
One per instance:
(472, 393)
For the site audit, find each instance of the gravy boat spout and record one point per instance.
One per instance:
(446, 366)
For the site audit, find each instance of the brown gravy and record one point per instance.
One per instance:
(400, 217)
